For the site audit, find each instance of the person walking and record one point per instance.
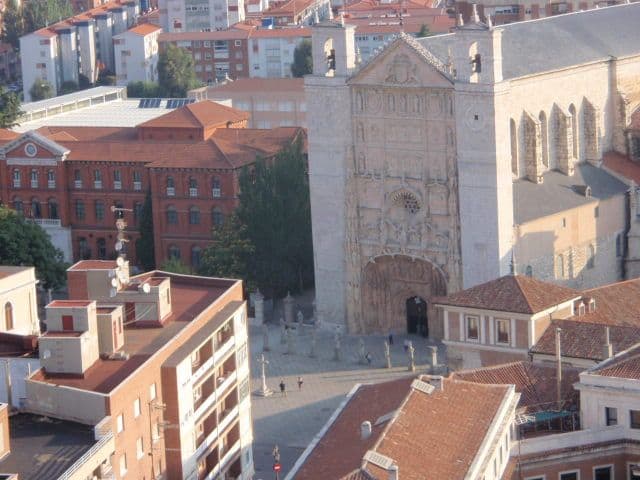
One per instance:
(390, 337)
(368, 357)
(283, 388)
(300, 382)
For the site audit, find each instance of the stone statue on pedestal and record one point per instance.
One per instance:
(411, 352)
(283, 331)
(387, 354)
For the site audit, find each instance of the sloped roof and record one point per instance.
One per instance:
(535, 382)
(560, 41)
(450, 424)
(204, 114)
(624, 365)
(585, 340)
(511, 293)
(616, 304)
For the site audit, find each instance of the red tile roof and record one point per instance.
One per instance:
(144, 29)
(585, 340)
(204, 114)
(511, 293)
(622, 165)
(624, 365)
(70, 303)
(94, 265)
(260, 84)
(450, 424)
(214, 35)
(281, 32)
(616, 304)
(535, 382)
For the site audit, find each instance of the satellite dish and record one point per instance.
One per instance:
(114, 283)
(146, 288)
(46, 354)
(120, 261)
(118, 246)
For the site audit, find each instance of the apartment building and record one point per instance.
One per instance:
(297, 12)
(80, 45)
(270, 102)
(136, 54)
(160, 361)
(199, 15)
(188, 160)
(216, 55)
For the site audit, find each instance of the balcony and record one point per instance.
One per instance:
(215, 192)
(45, 222)
(171, 192)
(97, 184)
(51, 183)
(16, 183)
(117, 185)
(222, 351)
(137, 186)
(193, 192)
(77, 183)
(34, 183)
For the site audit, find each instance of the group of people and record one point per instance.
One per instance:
(283, 386)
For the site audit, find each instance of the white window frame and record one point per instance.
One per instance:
(137, 408)
(139, 448)
(153, 391)
(611, 466)
(509, 333)
(123, 465)
(466, 328)
(576, 471)
(536, 477)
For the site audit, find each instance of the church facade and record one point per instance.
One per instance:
(448, 161)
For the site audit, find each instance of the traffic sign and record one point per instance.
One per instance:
(277, 467)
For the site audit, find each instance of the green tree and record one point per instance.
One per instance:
(176, 72)
(174, 265)
(275, 208)
(143, 90)
(40, 90)
(13, 22)
(24, 243)
(424, 31)
(106, 78)
(9, 108)
(145, 248)
(83, 82)
(302, 60)
(41, 13)
(230, 252)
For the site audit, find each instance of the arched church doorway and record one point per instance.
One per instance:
(417, 316)
(387, 285)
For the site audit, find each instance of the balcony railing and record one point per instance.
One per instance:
(171, 191)
(45, 222)
(103, 450)
(137, 186)
(77, 183)
(193, 192)
(16, 184)
(51, 183)
(224, 349)
(97, 184)
(34, 183)
(117, 185)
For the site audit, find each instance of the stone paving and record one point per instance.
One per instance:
(293, 420)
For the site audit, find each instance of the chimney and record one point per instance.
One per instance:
(393, 472)
(437, 382)
(365, 430)
(608, 348)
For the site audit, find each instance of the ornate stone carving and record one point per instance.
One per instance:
(401, 71)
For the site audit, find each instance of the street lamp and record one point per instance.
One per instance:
(276, 461)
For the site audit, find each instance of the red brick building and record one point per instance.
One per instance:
(68, 178)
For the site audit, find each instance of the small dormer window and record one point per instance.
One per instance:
(581, 309)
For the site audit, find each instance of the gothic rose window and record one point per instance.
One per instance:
(408, 201)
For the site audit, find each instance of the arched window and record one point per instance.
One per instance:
(574, 130)
(36, 211)
(217, 218)
(174, 252)
(101, 247)
(51, 179)
(591, 256)
(34, 178)
(514, 147)
(172, 215)
(171, 186)
(17, 178)
(8, 316)
(560, 266)
(215, 187)
(18, 206)
(53, 208)
(408, 201)
(529, 271)
(194, 216)
(544, 135)
(196, 256)
(475, 62)
(193, 187)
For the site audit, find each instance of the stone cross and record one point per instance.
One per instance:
(387, 354)
(265, 338)
(264, 390)
(283, 331)
(411, 351)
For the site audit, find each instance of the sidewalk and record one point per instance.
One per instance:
(293, 420)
